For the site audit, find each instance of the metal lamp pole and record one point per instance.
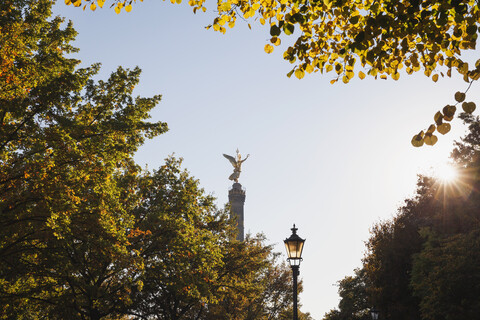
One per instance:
(294, 246)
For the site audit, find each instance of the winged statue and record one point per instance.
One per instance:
(237, 165)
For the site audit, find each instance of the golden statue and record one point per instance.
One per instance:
(237, 165)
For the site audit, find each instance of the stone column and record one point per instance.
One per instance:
(236, 196)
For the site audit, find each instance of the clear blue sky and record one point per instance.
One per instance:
(333, 159)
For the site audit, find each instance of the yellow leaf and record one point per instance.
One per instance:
(459, 96)
(444, 128)
(225, 6)
(395, 76)
(93, 6)
(179, 1)
(268, 48)
(309, 68)
(384, 77)
(329, 68)
(435, 77)
(430, 139)
(361, 75)
(128, 8)
(449, 111)
(68, 2)
(469, 107)
(77, 3)
(299, 73)
(417, 141)
(117, 9)
(333, 81)
(101, 3)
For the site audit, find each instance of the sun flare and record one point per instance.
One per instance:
(446, 173)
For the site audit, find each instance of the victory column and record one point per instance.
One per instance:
(236, 195)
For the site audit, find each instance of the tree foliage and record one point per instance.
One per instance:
(354, 301)
(66, 150)
(180, 235)
(422, 264)
(363, 37)
(84, 232)
(383, 36)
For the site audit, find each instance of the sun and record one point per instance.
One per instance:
(446, 173)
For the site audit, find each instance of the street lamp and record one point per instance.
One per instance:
(294, 246)
(374, 312)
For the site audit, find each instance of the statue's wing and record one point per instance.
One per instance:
(231, 159)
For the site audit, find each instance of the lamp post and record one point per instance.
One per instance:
(374, 312)
(294, 246)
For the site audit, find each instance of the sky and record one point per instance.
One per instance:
(333, 159)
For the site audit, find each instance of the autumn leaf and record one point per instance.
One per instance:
(469, 107)
(459, 96)
(268, 48)
(299, 73)
(444, 128)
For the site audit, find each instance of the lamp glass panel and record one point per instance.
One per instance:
(294, 249)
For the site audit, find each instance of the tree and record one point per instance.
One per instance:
(388, 265)
(445, 276)
(252, 284)
(354, 302)
(421, 264)
(180, 236)
(84, 233)
(445, 273)
(66, 146)
(380, 38)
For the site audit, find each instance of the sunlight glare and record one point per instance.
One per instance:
(446, 173)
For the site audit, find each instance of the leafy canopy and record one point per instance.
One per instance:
(363, 37)
(66, 150)
(422, 264)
